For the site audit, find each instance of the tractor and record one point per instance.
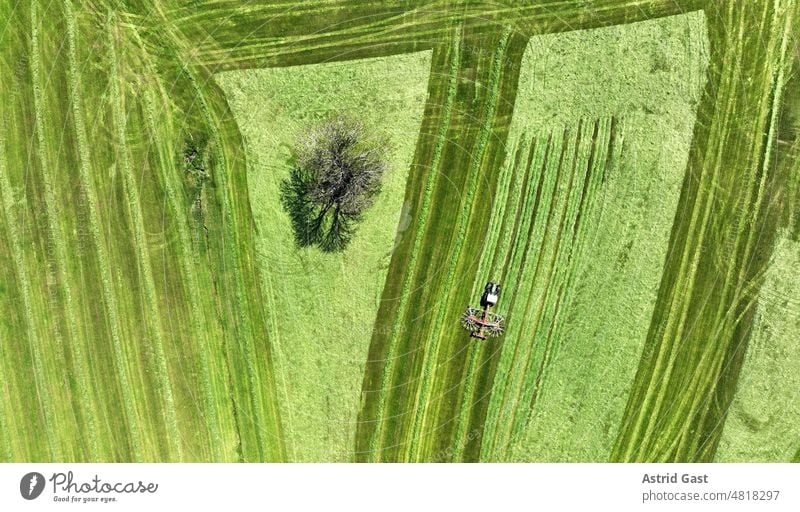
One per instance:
(481, 322)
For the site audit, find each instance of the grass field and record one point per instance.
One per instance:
(598, 310)
(127, 325)
(763, 420)
(605, 160)
(322, 307)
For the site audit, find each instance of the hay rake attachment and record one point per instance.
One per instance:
(480, 322)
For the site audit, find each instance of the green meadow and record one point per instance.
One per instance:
(322, 307)
(608, 164)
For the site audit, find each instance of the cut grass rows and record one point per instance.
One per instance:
(121, 348)
(257, 412)
(53, 399)
(115, 320)
(438, 440)
(506, 198)
(376, 437)
(213, 384)
(155, 339)
(564, 172)
(136, 325)
(206, 380)
(600, 160)
(23, 293)
(582, 396)
(14, 244)
(223, 235)
(431, 355)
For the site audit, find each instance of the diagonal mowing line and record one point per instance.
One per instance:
(143, 259)
(376, 440)
(422, 23)
(687, 271)
(724, 327)
(109, 299)
(6, 451)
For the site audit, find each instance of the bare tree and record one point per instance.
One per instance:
(337, 176)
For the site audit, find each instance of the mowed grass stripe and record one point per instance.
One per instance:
(703, 374)
(262, 391)
(569, 228)
(12, 374)
(387, 375)
(579, 202)
(504, 198)
(756, 193)
(7, 453)
(420, 322)
(688, 269)
(217, 413)
(698, 337)
(223, 243)
(431, 353)
(68, 337)
(544, 156)
(251, 451)
(218, 408)
(451, 381)
(411, 27)
(769, 128)
(511, 184)
(25, 296)
(155, 341)
(121, 361)
(541, 288)
(525, 196)
(596, 155)
(85, 48)
(47, 363)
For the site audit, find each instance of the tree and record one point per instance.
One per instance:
(336, 178)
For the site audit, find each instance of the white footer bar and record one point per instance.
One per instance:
(389, 487)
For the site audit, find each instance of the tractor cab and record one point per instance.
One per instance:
(490, 294)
